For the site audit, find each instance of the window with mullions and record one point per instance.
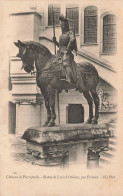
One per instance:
(73, 15)
(53, 9)
(90, 25)
(109, 33)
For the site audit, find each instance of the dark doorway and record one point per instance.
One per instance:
(74, 113)
(12, 117)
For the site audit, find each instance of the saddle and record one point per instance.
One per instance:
(55, 66)
(77, 81)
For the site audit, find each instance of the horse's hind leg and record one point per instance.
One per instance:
(96, 102)
(51, 94)
(90, 103)
(46, 98)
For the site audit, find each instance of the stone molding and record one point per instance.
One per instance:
(26, 13)
(28, 102)
(95, 60)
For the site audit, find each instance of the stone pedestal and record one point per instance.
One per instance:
(66, 132)
(64, 144)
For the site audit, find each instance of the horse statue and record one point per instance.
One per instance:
(49, 74)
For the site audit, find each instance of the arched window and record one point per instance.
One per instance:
(53, 9)
(72, 13)
(109, 33)
(90, 24)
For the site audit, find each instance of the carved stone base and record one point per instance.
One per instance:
(68, 132)
(64, 144)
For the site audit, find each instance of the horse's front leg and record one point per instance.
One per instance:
(46, 98)
(51, 95)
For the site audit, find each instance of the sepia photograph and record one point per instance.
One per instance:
(62, 114)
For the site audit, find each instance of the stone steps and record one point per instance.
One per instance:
(107, 157)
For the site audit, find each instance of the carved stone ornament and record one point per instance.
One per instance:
(95, 153)
(27, 101)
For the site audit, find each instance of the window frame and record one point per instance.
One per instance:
(89, 43)
(102, 28)
(74, 7)
(54, 6)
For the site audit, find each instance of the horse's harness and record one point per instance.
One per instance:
(50, 68)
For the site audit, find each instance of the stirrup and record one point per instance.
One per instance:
(68, 81)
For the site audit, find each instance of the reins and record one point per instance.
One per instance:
(50, 68)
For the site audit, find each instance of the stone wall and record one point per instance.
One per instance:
(25, 93)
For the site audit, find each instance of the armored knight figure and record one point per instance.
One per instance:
(67, 44)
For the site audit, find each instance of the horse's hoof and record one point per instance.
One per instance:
(51, 124)
(88, 121)
(94, 122)
(45, 124)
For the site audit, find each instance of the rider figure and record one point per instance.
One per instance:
(67, 43)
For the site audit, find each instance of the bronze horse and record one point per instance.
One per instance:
(48, 78)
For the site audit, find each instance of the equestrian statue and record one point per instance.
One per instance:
(52, 70)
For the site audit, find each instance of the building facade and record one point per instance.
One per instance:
(95, 27)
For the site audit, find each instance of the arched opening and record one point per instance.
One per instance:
(90, 24)
(72, 13)
(109, 34)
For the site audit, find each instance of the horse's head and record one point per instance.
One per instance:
(26, 54)
(29, 51)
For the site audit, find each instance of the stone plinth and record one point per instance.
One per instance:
(65, 144)
(68, 132)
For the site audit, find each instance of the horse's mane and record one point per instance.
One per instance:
(39, 47)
